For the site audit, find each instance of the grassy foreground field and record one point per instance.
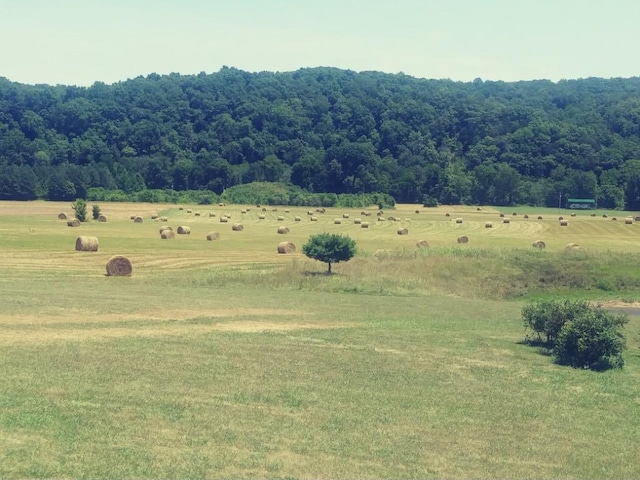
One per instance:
(226, 359)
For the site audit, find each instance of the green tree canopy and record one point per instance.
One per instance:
(330, 248)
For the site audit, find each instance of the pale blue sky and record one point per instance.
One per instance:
(79, 42)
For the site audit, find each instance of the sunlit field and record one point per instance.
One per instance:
(223, 358)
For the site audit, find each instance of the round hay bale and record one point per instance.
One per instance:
(281, 219)
(604, 215)
(222, 204)
(463, 239)
(62, 216)
(87, 244)
(228, 216)
(458, 220)
(539, 217)
(564, 223)
(275, 209)
(283, 230)
(367, 214)
(572, 247)
(248, 209)
(637, 218)
(224, 219)
(309, 212)
(573, 214)
(628, 221)
(189, 210)
(243, 211)
(337, 221)
(286, 247)
(119, 266)
(514, 214)
(138, 219)
(422, 244)
(502, 215)
(506, 220)
(345, 215)
(539, 244)
(154, 216)
(488, 225)
(364, 225)
(167, 235)
(478, 209)
(237, 227)
(447, 214)
(132, 217)
(561, 218)
(74, 222)
(180, 208)
(164, 219)
(164, 228)
(418, 211)
(314, 219)
(380, 213)
(182, 230)
(297, 219)
(357, 221)
(403, 231)
(212, 214)
(526, 216)
(363, 213)
(213, 236)
(286, 210)
(391, 218)
(592, 215)
(264, 209)
(614, 218)
(382, 219)
(102, 218)
(197, 214)
(261, 217)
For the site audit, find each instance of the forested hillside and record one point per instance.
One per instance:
(327, 130)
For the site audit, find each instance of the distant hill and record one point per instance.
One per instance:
(327, 130)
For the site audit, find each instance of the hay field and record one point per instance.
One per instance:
(224, 359)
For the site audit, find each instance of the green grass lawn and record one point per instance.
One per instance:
(224, 359)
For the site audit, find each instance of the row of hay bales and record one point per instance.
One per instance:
(117, 266)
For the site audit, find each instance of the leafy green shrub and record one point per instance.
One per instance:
(430, 202)
(95, 211)
(593, 339)
(330, 248)
(80, 207)
(578, 334)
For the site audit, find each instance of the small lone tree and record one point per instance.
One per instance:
(95, 211)
(80, 207)
(330, 248)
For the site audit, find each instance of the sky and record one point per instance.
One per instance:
(79, 42)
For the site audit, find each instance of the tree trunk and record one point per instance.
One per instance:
(329, 272)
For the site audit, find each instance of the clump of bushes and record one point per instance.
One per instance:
(577, 333)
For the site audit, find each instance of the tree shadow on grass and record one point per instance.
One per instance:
(542, 347)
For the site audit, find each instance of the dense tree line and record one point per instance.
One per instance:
(326, 130)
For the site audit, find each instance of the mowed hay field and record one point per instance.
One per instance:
(226, 359)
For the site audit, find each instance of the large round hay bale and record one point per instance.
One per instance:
(560, 218)
(572, 247)
(345, 215)
(164, 228)
(237, 227)
(213, 236)
(167, 235)
(458, 220)
(382, 219)
(164, 219)
(604, 215)
(539, 244)
(74, 222)
(189, 210)
(264, 209)
(212, 214)
(422, 244)
(296, 219)
(87, 244)
(447, 214)
(337, 221)
(180, 208)
(222, 204)
(314, 219)
(137, 219)
(309, 212)
(614, 219)
(357, 221)
(502, 215)
(280, 218)
(564, 223)
(62, 216)
(418, 211)
(283, 230)
(391, 218)
(132, 217)
(573, 214)
(182, 230)
(628, 221)
(488, 225)
(228, 215)
(515, 214)
(262, 216)
(380, 213)
(243, 210)
(119, 266)
(506, 220)
(154, 216)
(286, 210)
(539, 217)
(526, 216)
(286, 247)
(403, 231)
(463, 239)
(364, 225)
(637, 218)
(223, 219)
(197, 214)
(102, 218)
